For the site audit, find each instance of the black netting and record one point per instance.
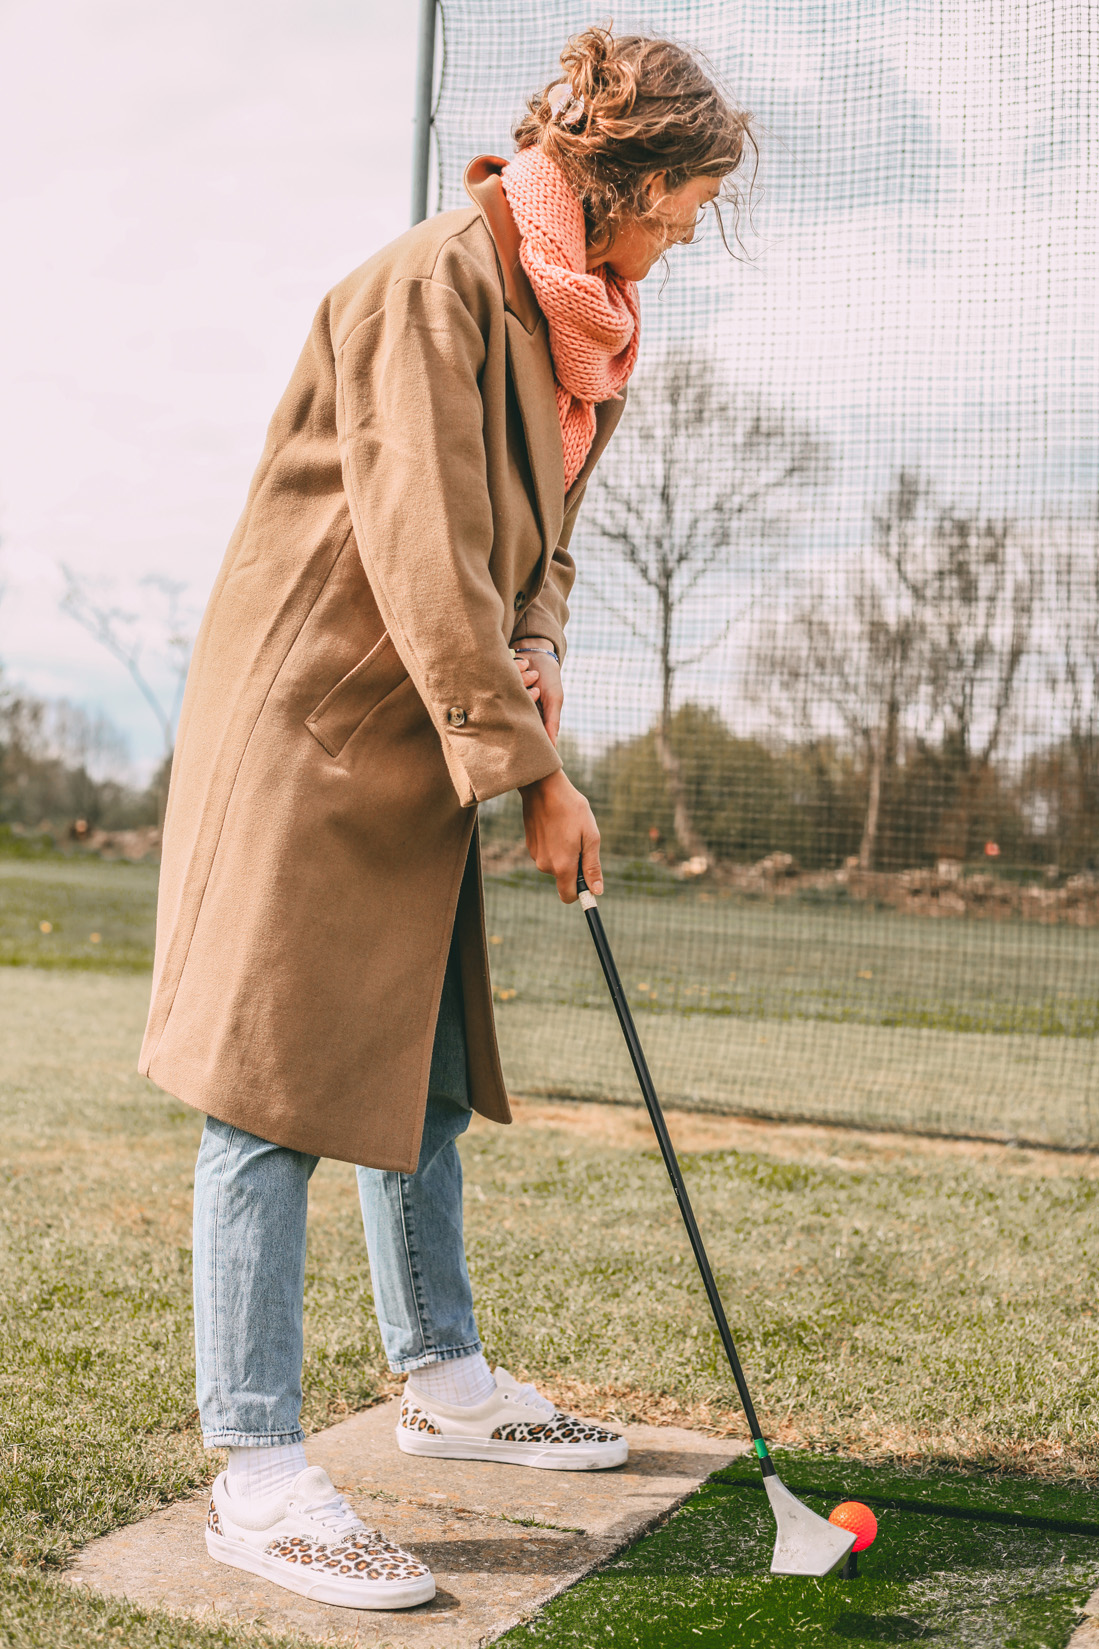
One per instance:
(851, 806)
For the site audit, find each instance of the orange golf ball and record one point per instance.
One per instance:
(858, 1519)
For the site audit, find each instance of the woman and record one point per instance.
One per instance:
(381, 653)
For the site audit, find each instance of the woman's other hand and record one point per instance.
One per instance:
(561, 829)
(540, 674)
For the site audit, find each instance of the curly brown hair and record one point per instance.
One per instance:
(628, 106)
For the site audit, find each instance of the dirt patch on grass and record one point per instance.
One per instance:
(627, 1127)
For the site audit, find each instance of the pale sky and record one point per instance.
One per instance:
(181, 184)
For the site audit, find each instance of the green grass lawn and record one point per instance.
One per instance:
(909, 1302)
(685, 954)
(830, 1011)
(697, 951)
(961, 1562)
(57, 912)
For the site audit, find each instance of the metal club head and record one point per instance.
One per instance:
(805, 1544)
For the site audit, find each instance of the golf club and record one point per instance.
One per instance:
(805, 1544)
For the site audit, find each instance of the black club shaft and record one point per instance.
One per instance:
(671, 1163)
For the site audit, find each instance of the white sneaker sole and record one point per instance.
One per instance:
(348, 1594)
(561, 1457)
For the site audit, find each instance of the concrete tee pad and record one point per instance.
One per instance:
(1086, 1635)
(500, 1540)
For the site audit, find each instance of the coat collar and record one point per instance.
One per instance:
(483, 186)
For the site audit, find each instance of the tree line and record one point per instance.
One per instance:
(60, 763)
(885, 690)
(750, 797)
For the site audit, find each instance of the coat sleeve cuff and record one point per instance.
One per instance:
(482, 767)
(538, 621)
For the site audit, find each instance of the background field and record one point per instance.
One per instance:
(830, 1011)
(74, 899)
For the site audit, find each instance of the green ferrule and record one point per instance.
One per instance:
(761, 1448)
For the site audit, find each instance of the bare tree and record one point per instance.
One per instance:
(90, 745)
(695, 475)
(975, 585)
(855, 655)
(56, 755)
(926, 633)
(1072, 676)
(152, 639)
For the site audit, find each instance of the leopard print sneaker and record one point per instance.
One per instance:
(310, 1541)
(515, 1426)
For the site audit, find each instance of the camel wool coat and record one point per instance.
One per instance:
(352, 698)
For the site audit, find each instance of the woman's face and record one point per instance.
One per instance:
(637, 245)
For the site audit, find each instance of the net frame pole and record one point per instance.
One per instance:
(421, 128)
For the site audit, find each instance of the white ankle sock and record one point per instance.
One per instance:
(253, 1474)
(465, 1381)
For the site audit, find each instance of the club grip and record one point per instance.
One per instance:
(581, 885)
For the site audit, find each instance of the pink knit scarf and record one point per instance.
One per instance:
(593, 317)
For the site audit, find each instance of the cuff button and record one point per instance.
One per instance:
(456, 716)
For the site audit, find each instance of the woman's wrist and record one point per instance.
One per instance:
(546, 785)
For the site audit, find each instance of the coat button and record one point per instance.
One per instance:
(520, 597)
(456, 716)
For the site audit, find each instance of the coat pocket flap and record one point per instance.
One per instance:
(347, 706)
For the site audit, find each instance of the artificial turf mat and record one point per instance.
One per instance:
(961, 1562)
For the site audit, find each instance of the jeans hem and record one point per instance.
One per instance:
(447, 1354)
(251, 1439)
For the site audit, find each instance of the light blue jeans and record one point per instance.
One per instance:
(249, 1257)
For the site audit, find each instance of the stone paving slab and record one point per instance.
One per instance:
(1086, 1635)
(500, 1540)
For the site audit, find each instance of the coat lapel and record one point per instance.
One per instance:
(536, 395)
(528, 353)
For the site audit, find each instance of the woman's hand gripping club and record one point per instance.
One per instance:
(540, 672)
(561, 831)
